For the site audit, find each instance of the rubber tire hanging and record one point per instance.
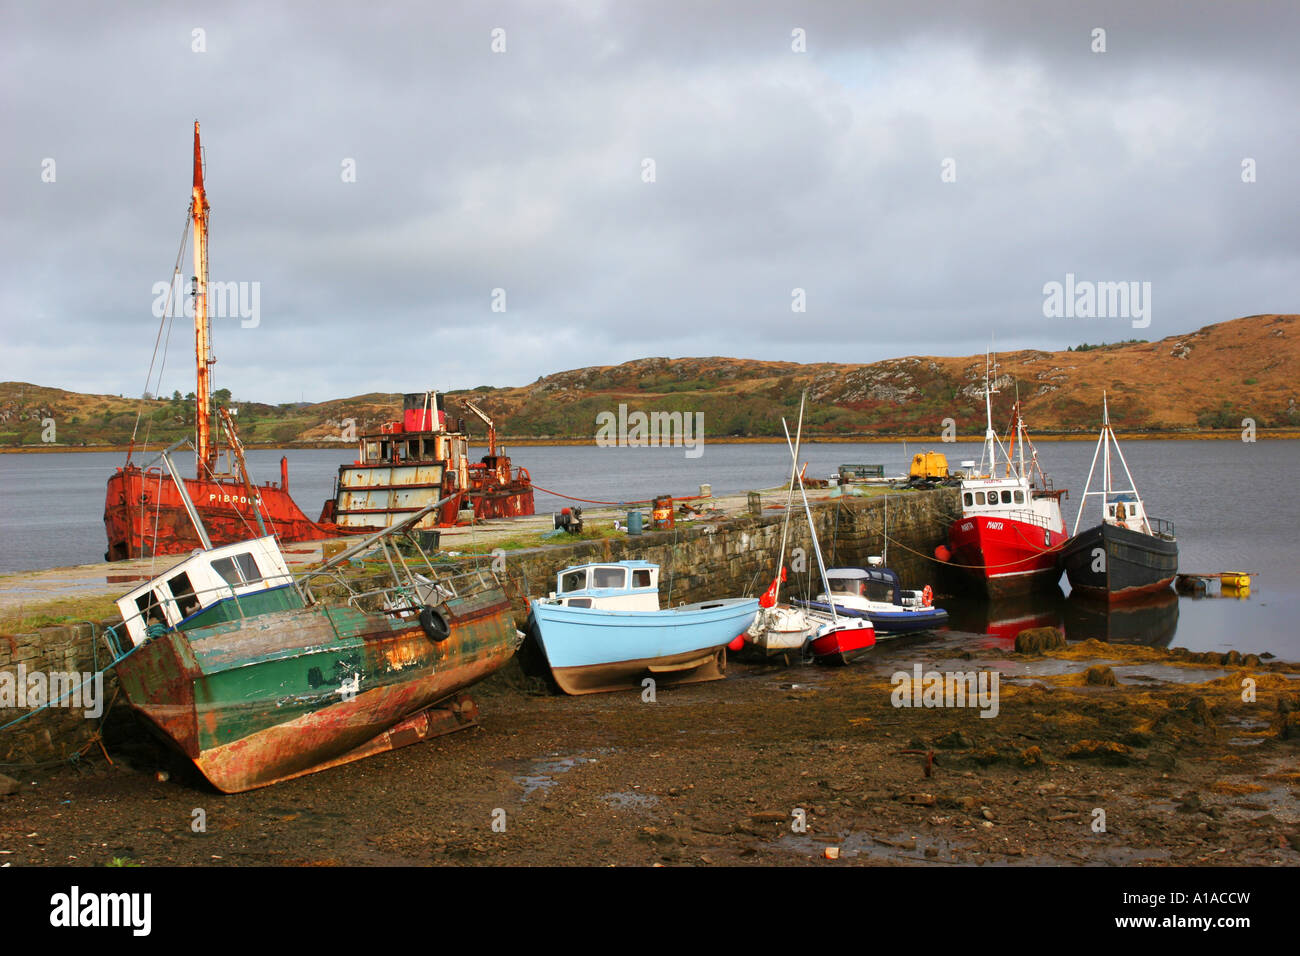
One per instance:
(434, 624)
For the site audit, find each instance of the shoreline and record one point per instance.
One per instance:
(717, 774)
(1232, 434)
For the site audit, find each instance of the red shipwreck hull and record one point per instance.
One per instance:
(1004, 557)
(144, 515)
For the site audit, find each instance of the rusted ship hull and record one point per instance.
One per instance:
(492, 498)
(257, 701)
(372, 497)
(420, 458)
(144, 514)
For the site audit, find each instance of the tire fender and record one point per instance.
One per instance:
(434, 624)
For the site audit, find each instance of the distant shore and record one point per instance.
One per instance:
(1230, 434)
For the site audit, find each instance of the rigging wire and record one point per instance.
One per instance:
(163, 322)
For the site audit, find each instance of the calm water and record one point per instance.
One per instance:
(1231, 503)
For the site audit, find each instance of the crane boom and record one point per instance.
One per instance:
(491, 426)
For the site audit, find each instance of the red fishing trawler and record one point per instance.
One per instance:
(1009, 536)
(143, 511)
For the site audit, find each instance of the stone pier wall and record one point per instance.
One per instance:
(699, 560)
(49, 661)
(702, 560)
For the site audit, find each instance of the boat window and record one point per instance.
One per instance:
(573, 581)
(248, 567)
(1006, 497)
(150, 608)
(878, 591)
(641, 578)
(1020, 497)
(579, 602)
(610, 577)
(969, 499)
(844, 585)
(372, 450)
(226, 568)
(979, 498)
(183, 593)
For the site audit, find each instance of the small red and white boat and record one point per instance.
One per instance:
(843, 640)
(1010, 534)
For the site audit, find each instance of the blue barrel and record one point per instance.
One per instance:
(634, 522)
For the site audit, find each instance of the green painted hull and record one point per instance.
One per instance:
(256, 700)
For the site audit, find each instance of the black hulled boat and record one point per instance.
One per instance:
(1128, 554)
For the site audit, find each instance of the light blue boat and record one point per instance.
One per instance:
(602, 630)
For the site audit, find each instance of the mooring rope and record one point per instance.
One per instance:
(94, 674)
(595, 501)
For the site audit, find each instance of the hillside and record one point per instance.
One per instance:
(1209, 379)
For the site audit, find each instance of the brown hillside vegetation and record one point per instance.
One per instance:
(1212, 378)
(1209, 379)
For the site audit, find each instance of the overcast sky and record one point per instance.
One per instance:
(524, 170)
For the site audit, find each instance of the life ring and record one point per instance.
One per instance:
(434, 624)
(927, 596)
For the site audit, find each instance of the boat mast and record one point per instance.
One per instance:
(1105, 434)
(812, 527)
(205, 454)
(1020, 432)
(789, 496)
(1087, 492)
(1132, 485)
(990, 437)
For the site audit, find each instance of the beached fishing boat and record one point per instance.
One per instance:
(1008, 537)
(143, 511)
(877, 595)
(258, 677)
(1128, 554)
(602, 629)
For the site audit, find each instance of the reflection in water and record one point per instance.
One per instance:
(1007, 617)
(1152, 621)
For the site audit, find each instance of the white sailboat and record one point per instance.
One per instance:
(836, 640)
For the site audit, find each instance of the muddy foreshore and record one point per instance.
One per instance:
(1176, 765)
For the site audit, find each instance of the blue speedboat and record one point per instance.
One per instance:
(602, 629)
(876, 594)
